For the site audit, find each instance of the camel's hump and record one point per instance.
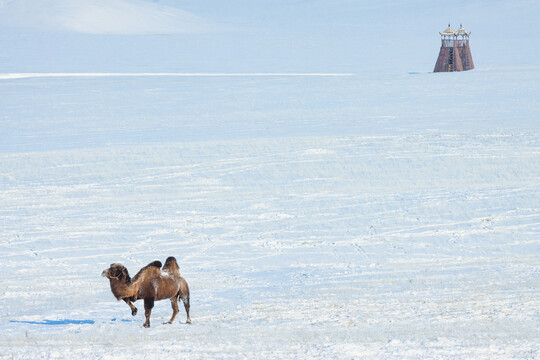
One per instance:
(155, 263)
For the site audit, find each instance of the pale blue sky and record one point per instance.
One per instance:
(292, 36)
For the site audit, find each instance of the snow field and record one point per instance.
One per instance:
(325, 238)
(92, 112)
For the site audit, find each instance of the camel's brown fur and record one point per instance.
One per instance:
(151, 284)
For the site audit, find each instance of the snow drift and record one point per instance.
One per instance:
(100, 17)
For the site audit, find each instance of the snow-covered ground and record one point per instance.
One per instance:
(324, 194)
(364, 216)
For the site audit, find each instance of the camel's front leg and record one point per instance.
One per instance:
(131, 306)
(174, 304)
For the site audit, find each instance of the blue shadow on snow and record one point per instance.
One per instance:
(55, 322)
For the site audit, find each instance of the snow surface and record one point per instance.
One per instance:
(313, 217)
(321, 203)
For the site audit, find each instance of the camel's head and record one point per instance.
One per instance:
(116, 271)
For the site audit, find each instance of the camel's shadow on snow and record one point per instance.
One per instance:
(56, 322)
(64, 322)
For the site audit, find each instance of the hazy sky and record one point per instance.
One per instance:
(265, 35)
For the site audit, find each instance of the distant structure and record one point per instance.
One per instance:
(455, 53)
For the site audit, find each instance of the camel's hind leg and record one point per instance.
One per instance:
(148, 305)
(185, 300)
(174, 304)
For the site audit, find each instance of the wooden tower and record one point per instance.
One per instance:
(462, 37)
(455, 54)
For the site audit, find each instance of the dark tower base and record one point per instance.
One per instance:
(449, 60)
(466, 57)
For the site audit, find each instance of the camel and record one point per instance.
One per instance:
(152, 283)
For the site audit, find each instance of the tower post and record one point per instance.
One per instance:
(464, 50)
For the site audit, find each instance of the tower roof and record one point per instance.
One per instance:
(448, 32)
(462, 32)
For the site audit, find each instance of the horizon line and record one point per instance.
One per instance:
(7, 76)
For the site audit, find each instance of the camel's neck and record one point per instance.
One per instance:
(122, 288)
